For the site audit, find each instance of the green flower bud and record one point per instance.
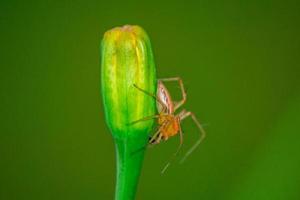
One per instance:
(127, 59)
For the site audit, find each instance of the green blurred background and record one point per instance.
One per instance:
(240, 64)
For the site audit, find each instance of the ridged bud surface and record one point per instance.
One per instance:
(127, 59)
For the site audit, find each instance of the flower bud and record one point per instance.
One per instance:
(127, 59)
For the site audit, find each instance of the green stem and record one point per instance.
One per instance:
(130, 154)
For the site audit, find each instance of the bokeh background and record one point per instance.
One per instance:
(240, 64)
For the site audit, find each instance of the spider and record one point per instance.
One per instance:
(169, 122)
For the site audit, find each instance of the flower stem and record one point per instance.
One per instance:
(130, 154)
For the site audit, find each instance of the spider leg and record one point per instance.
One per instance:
(175, 154)
(151, 95)
(184, 114)
(148, 144)
(154, 137)
(159, 137)
(144, 119)
(183, 92)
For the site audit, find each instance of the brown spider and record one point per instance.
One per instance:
(169, 122)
